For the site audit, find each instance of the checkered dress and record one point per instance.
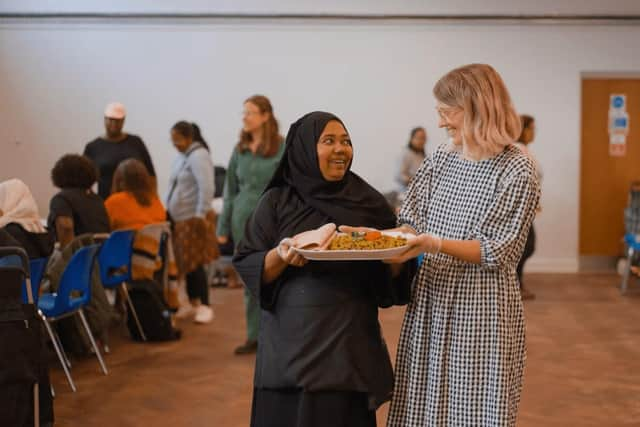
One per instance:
(462, 347)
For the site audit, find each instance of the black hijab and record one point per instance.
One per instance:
(350, 201)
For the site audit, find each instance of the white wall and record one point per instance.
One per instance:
(56, 78)
(429, 7)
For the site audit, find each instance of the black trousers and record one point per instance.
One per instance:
(297, 408)
(197, 286)
(529, 249)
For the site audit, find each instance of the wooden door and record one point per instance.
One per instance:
(605, 179)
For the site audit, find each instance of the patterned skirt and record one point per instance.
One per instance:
(195, 244)
(461, 353)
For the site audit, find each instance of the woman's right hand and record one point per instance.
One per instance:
(287, 254)
(223, 240)
(417, 245)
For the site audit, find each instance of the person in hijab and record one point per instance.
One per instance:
(19, 217)
(321, 359)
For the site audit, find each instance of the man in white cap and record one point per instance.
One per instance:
(115, 146)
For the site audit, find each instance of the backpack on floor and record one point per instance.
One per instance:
(153, 313)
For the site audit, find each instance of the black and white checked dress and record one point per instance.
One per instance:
(462, 348)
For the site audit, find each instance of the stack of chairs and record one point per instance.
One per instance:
(632, 233)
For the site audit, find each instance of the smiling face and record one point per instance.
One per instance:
(452, 119)
(334, 151)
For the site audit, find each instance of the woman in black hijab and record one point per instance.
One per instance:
(321, 357)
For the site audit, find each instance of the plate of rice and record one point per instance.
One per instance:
(364, 246)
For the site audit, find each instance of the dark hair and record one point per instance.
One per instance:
(527, 121)
(132, 176)
(185, 129)
(413, 133)
(74, 171)
(271, 138)
(197, 136)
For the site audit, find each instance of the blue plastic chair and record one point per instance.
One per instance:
(33, 276)
(36, 267)
(633, 246)
(115, 267)
(74, 292)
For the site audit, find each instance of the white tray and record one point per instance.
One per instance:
(355, 255)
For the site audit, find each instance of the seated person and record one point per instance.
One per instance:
(134, 202)
(76, 209)
(19, 218)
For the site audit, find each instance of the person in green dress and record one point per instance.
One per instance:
(252, 164)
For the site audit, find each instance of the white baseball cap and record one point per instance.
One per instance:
(115, 110)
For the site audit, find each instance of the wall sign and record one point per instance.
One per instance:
(618, 125)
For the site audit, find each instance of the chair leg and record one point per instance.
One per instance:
(36, 405)
(93, 341)
(66, 359)
(58, 352)
(627, 272)
(133, 311)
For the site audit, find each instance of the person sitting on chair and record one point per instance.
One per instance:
(134, 202)
(19, 217)
(76, 209)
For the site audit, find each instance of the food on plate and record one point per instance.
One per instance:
(372, 235)
(363, 241)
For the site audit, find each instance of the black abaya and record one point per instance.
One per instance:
(296, 408)
(320, 346)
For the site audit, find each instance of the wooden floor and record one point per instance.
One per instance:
(583, 366)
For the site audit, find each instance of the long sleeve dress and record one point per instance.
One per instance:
(320, 343)
(247, 177)
(462, 346)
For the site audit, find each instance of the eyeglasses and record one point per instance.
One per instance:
(447, 112)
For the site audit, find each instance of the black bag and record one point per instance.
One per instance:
(219, 175)
(74, 338)
(229, 248)
(23, 356)
(153, 313)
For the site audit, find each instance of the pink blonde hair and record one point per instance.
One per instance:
(490, 120)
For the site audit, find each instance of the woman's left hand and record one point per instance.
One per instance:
(417, 245)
